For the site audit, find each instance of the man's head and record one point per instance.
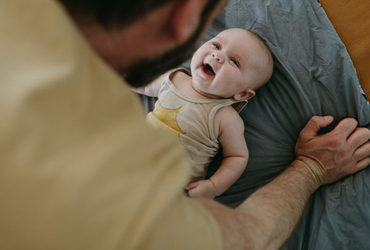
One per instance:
(233, 64)
(111, 13)
(115, 17)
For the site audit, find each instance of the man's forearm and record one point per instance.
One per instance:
(277, 207)
(267, 218)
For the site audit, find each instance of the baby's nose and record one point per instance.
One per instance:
(217, 57)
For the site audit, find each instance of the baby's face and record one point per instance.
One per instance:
(228, 64)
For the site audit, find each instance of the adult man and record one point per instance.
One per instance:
(79, 167)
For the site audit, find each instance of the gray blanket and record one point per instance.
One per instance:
(313, 75)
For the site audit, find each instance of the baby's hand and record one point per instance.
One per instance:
(203, 188)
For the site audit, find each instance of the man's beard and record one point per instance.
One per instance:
(145, 71)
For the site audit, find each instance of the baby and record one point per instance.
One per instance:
(202, 108)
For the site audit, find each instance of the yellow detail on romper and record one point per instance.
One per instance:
(165, 116)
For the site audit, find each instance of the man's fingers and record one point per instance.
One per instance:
(346, 126)
(341, 152)
(362, 152)
(359, 137)
(314, 125)
(362, 164)
(359, 141)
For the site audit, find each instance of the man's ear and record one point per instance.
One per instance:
(245, 95)
(185, 18)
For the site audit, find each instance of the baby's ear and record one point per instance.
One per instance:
(245, 95)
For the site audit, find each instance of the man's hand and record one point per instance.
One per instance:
(203, 188)
(334, 155)
(268, 217)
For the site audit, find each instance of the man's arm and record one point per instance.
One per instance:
(267, 218)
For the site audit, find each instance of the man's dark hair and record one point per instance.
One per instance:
(112, 13)
(119, 13)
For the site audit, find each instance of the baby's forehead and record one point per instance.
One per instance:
(238, 38)
(235, 32)
(233, 39)
(242, 38)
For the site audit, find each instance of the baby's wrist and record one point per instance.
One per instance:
(214, 187)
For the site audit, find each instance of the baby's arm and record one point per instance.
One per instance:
(152, 89)
(229, 129)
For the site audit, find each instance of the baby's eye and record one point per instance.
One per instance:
(216, 45)
(236, 62)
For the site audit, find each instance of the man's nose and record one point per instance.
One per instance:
(218, 57)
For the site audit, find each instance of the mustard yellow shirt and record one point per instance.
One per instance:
(79, 167)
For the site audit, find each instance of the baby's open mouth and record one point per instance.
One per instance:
(208, 69)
